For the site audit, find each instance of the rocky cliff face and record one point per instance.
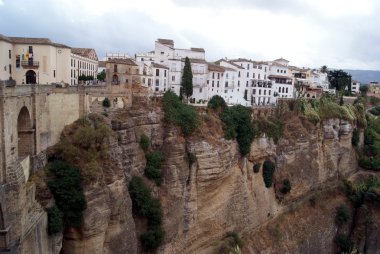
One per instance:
(219, 192)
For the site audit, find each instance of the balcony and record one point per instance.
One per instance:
(30, 64)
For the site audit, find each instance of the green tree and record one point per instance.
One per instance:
(364, 89)
(187, 79)
(324, 69)
(340, 80)
(102, 75)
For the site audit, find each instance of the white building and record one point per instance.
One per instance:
(84, 61)
(355, 87)
(281, 78)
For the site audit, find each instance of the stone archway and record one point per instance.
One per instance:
(25, 133)
(31, 77)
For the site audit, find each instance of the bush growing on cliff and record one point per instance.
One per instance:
(256, 167)
(286, 186)
(217, 102)
(273, 128)
(357, 192)
(145, 205)
(268, 170)
(371, 157)
(152, 170)
(67, 190)
(144, 142)
(238, 124)
(355, 137)
(55, 220)
(342, 215)
(344, 243)
(106, 103)
(180, 114)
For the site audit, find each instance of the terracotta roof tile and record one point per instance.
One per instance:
(126, 61)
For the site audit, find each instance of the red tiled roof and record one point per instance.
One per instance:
(126, 61)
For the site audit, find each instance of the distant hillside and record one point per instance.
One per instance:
(364, 76)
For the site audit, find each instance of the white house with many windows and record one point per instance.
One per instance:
(84, 61)
(281, 77)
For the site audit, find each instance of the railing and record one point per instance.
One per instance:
(29, 64)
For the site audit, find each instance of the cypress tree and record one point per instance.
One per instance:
(187, 80)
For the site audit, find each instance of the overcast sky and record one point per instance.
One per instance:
(337, 33)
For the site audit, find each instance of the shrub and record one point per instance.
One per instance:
(152, 170)
(286, 187)
(180, 114)
(238, 124)
(268, 170)
(217, 102)
(55, 220)
(67, 191)
(273, 128)
(343, 242)
(256, 167)
(191, 158)
(149, 207)
(144, 142)
(342, 215)
(355, 137)
(106, 103)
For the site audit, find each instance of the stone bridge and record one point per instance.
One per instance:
(31, 119)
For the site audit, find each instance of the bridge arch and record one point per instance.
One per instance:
(25, 133)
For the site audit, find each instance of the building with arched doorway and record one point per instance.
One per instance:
(34, 60)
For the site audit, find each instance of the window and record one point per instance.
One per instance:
(213, 75)
(10, 54)
(114, 67)
(10, 69)
(213, 83)
(162, 52)
(226, 84)
(226, 75)
(247, 74)
(265, 76)
(238, 83)
(18, 61)
(286, 90)
(247, 66)
(265, 69)
(265, 92)
(259, 91)
(217, 84)
(54, 73)
(165, 74)
(173, 78)
(253, 91)
(157, 72)
(218, 75)
(278, 70)
(200, 90)
(246, 84)
(259, 76)
(225, 91)
(208, 81)
(157, 82)
(284, 71)
(253, 75)
(269, 92)
(239, 74)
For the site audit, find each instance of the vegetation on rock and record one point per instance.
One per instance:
(357, 192)
(238, 124)
(144, 142)
(145, 205)
(154, 162)
(272, 127)
(268, 170)
(180, 114)
(55, 220)
(65, 184)
(256, 167)
(342, 215)
(230, 244)
(344, 243)
(217, 102)
(355, 137)
(371, 157)
(106, 102)
(286, 186)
